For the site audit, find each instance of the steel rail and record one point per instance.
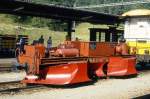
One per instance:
(17, 89)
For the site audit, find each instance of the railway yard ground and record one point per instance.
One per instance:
(54, 49)
(114, 88)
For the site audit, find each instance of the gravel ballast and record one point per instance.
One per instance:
(103, 89)
(12, 76)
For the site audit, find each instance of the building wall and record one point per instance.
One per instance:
(137, 29)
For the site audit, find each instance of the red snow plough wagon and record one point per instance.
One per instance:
(75, 62)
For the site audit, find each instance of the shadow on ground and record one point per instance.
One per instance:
(143, 97)
(72, 86)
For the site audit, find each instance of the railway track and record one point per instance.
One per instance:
(5, 68)
(6, 64)
(15, 87)
(9, 85)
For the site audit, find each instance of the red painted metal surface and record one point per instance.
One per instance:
(96, 68)
(32, 57)
(68, 49)
(67, 52)
(121, 66)
(70, 73)
(122, 49)
(99, 61)
(94, 49)
(76, 44)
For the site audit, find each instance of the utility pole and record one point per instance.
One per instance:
(71, 25)
(73, 22)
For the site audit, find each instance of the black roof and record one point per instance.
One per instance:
(17, 7)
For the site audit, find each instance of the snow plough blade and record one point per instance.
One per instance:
(96, 69)
(63, 74)
(121, 66)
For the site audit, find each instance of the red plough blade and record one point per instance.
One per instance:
(97, 69)
(61, 74)
(121, 66)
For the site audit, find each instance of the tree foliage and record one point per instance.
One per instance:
(59, 25)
